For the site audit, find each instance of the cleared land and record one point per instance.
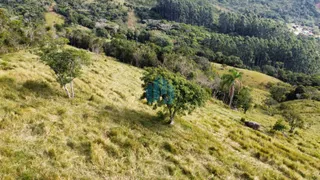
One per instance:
(53, 18)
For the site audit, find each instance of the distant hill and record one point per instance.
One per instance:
(304, 12)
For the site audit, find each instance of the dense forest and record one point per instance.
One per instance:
(269, 42)
(285, 10)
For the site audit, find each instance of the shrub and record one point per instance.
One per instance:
(243, 99)
(279, 126)
(294, 119)
(270, 102)
(280, 91)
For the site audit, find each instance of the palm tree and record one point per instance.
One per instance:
(231, 80)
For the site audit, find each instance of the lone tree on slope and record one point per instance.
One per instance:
(294, 119)
(65, 62)
(178, 95)
(231, 80)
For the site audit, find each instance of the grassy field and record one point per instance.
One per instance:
(106, 132)
(53, 18)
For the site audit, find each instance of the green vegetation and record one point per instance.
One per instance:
(105, 130)
(108, 131)
(304, 12)
(244, 99)
(66, 63)
(294, 120)
(279, 126)
(175, 92)
(16, 34)
(231, 80)
(187, 11)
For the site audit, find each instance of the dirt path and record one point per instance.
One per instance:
(132, 20)
(51, 7)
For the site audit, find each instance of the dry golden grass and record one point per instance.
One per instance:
(106, 132)
(250, 78)
(255, 80)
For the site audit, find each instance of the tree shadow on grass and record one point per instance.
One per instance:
(135, 118)
(39, 88)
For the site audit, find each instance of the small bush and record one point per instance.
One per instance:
(279, 126)
(280, 91)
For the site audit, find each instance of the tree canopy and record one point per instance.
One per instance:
(178, 95)
(65, 62)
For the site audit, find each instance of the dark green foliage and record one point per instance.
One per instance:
(270, 102)
(186, 95)
(246, 40)
(186, 11)
(282, 52)
(88, 14)
(284, 10)
(30, 10)
(304, 92)
(280, 91)
(66, 63)
(249, 25)
(132, 53)
(271, 46)
(243, 99)
(231, 83)
(15, 33)
(315, 80)
(85, 40)
(170, 148)
(279, 126)
(160, 91)
(252, 42)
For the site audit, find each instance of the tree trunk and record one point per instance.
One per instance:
(291, 129)
(231, 95)
(67, 91)
(172, 115)
(224, 98)
(72, 89)
(171, 120)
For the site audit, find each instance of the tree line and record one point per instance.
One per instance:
(189, 12)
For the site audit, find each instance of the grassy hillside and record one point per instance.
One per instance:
(107, 132)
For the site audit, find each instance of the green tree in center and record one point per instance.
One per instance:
(174, 92)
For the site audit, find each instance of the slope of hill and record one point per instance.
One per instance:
(305, 12)
(107, 132)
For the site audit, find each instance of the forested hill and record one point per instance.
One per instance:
(244, 40)
(303, 11)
